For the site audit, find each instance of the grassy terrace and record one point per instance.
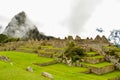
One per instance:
(49, 47)
(91, 53)
(99, 65)
(96, 57)
(60, 71)
(45, 52)
(24, 59)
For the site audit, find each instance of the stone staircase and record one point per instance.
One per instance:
(96, 63)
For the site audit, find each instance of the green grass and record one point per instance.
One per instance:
(98, 65)
(96, 57)
(60, 71)
(24, 59)
(91, 53)
(9, 72)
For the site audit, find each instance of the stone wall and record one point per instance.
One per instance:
(102, 70)
(99, 70)
(93, 60)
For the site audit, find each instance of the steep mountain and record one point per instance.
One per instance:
(21, 27)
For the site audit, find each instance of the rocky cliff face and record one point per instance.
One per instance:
(21, 27)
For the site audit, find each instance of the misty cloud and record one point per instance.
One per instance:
(80, 14)
(3, 18)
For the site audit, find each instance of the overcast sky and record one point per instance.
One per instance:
(60, 18)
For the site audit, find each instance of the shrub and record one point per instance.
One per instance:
(74, 52)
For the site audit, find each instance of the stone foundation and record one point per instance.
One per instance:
(102, 70)
(99, 70)
(93, 60)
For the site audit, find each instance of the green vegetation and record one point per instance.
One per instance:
(91, 53)
(99, 65)
(5, 39)
(112, 50)
(21, 60)
(95, 57)
(74, 52)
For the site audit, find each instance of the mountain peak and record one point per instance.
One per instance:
(20, 17)
(21, 27)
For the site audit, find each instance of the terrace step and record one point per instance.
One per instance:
(45, 54)
(54, 50)
(100, 68)
(90, 54)
(94, 59)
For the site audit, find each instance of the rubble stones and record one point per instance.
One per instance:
(48, 75)
(4, 58)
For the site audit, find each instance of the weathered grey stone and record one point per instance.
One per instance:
(69, 62)
(93, 60)
(99, 70)
(29, 69)
(48, 75)
(102, 70)
(77, 38)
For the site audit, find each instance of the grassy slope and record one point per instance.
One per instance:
(60, 71)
